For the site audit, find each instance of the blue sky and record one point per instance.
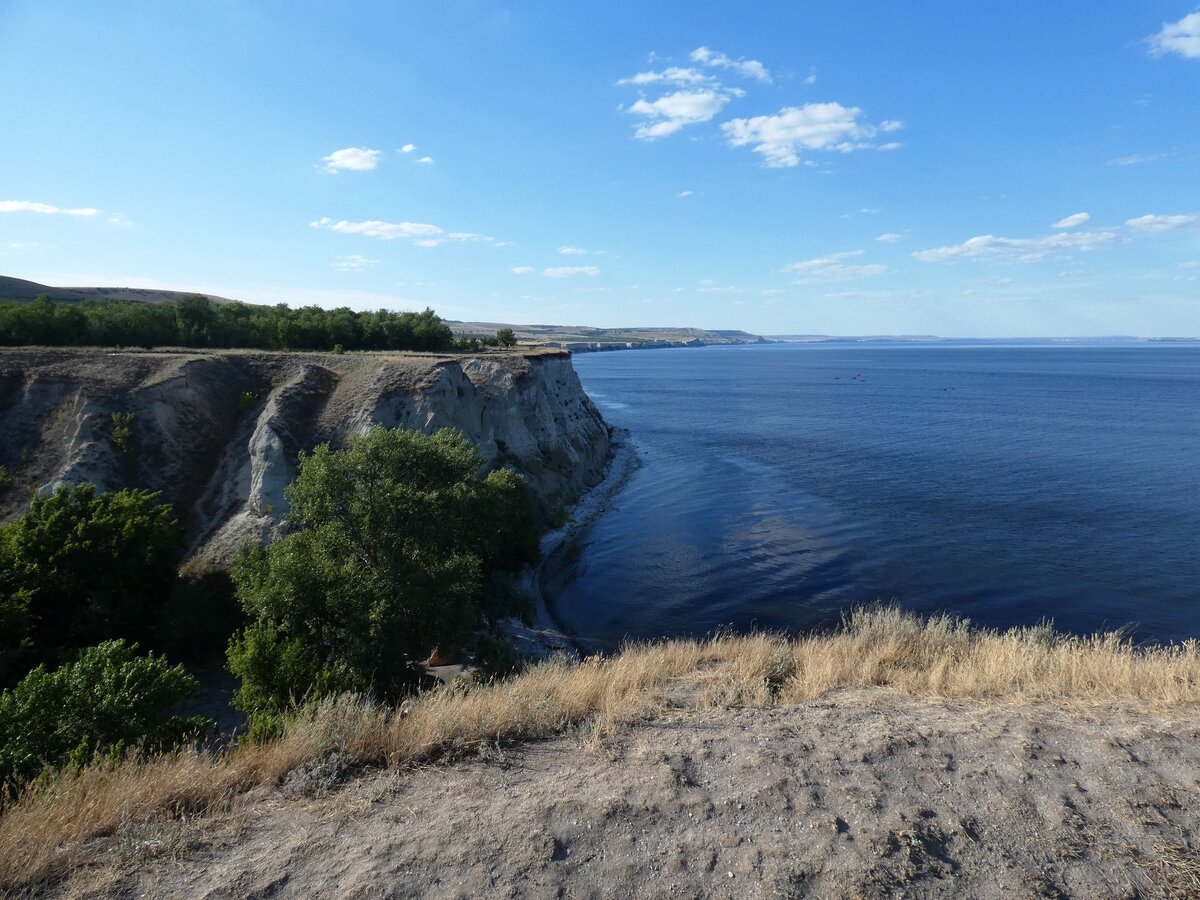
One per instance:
(839, 167)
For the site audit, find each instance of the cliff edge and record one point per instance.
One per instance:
(219, 432)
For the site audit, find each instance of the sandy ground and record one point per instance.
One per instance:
(866, 793)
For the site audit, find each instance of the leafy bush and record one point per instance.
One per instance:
(505, 337)
(79, 568)
(397, 537)
(109, 699)
(122, 431)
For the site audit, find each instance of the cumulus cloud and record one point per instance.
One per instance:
(408, 148)
(351, 159)
(1072, 220)
(669, 113)
(781, 138)
(1019, 249)
(422, 234)
(890, 238)
(1157, 224)
(1182, 37)
(427, 160)
(354, 263)
(523, 270)
(684, 194)
(676, 75)
(748, 68)
(568, 271)
(833, 268)
(7, 206)
(572, 251)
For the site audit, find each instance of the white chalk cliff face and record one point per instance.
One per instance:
(219, 433)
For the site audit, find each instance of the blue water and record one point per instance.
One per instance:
(783, 484)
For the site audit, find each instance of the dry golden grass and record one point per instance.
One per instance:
(47, 831)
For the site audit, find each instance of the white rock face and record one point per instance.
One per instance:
(219, 434)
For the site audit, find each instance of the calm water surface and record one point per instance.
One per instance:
(782, 484)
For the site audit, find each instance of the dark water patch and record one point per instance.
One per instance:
(782, 484)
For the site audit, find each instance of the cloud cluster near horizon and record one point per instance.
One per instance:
(1019, 249)
(697, 96)
(7, 206)
(558, 271)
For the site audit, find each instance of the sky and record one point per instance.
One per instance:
(824, 167)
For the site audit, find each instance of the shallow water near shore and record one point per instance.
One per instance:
(781, 484)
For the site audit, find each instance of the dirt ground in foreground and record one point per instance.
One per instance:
(864, 793)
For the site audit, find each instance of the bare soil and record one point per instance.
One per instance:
(863, 793)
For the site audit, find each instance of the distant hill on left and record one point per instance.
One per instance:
(21, 291)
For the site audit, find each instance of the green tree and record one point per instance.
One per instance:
(79, 568)
(396, 538)
(108, 699)
(506, 338)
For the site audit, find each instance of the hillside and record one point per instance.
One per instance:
(20, 291)
(893, 758)
(584, 338)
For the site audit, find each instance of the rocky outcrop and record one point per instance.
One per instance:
(219, 433)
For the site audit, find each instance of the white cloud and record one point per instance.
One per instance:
(673, 75)
(351, 159)
(1072, 220)
(684, 194)
(1136, 159)
(1182, 37)
(388, 231)
(567, 271)
(1157, 224)
(572, 251)
(1019, 249)
(890, 238)
(523, 270)
(423, 235)
(815, 126)
(354, 263)
(748, 68)
(668, 114)
(427, 160)
(812, 75)
(833, 268)
(408, 148)
(44, 208)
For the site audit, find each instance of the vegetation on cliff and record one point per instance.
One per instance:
(81, 567)
(396, 538)
(398, 545)
(109, 699)
(194, 321)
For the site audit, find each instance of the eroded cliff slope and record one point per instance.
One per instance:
(219, 432)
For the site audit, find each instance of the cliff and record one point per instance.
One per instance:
(219, 432)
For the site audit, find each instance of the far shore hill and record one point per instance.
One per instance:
(577, 338)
